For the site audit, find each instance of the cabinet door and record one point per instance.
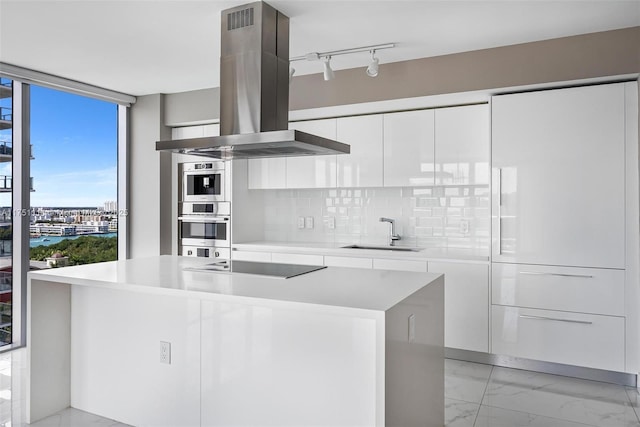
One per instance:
(267, 173)
(251, 256)
(343, 261)
(466, 304)
(305, 259)
(462, 145)
(408, 148)
(558, 178)
(363, 166)
(399, 264)
(313, 171)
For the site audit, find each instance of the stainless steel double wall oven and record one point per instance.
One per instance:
(204, 213)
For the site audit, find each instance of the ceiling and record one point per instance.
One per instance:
(167, 46)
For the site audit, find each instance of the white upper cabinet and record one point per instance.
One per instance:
(559, 177)
(462, 145)
(267, 173)
(313, 171)
(363, 166)
(408, 148)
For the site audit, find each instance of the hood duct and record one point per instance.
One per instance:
(254, 93)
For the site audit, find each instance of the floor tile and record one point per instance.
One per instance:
(459, 414)
(465, 380)
(634, 397)
(571, 399)
(75, 418)
(497, 417)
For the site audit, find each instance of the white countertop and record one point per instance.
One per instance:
(333, 286)
(337, 249)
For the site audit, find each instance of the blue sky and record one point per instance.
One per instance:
(74, 142)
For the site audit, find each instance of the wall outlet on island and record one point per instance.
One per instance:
(308, 222)
(165, 352)
(300, 222)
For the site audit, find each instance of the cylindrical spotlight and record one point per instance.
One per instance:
(328, 72)
(372, 69)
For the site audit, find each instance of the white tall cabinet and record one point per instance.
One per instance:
(561, 197)
(559, 177)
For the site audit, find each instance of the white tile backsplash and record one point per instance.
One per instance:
(425, 217)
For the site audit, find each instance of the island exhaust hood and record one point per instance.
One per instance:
(254, 93)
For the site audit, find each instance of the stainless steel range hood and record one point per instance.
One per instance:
(254, 93)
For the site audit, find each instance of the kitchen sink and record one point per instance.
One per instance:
(383, 248)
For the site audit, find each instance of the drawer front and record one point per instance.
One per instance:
(251, 256)
(575, 339)
(305, 259)
(585, 290)
(343, 261)
(399, 264)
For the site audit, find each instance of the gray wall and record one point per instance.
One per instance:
(149, 174)
(608, 53)
(192, 108)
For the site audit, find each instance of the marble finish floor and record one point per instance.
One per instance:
(475, 396)
(490, 396)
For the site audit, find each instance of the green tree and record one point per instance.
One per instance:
(83, 250)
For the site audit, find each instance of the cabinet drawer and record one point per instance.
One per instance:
(585, 290)
(344, 261)
(575, 339)
(399, 264)
(251, 256)
(306, 259)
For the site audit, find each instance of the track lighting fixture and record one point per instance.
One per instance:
(372, 69)
(328, 72)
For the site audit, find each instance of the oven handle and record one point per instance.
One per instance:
(221, 219)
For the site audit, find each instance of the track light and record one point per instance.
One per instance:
(328, 72)
(372, 69)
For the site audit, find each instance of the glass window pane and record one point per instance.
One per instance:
(73, 218)
(6, 225)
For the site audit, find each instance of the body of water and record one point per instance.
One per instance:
(50, 240)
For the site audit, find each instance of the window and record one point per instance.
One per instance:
(74, 210)
(6, 223)
(59, 173)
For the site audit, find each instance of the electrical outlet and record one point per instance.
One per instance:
(300, 222)
(308, 222)
(464, 226)
(411, 335)
(331, 222)
(165, 352)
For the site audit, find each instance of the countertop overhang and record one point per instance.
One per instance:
(349, 288)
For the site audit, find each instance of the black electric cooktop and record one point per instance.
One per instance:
(284, 271)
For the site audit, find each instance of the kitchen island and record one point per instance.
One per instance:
(151, 342)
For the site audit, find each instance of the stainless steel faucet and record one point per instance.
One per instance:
(393, 237)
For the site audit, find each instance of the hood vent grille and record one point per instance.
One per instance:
(240, 19)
